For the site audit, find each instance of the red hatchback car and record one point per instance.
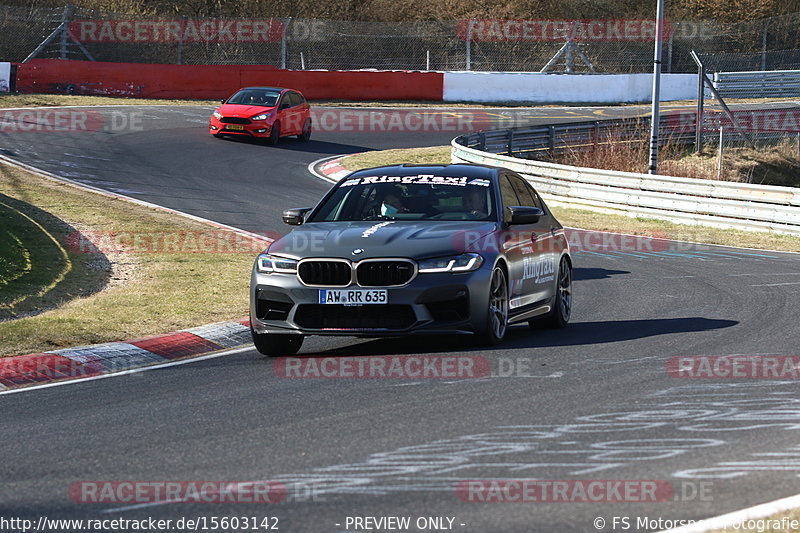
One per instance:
(263, 113)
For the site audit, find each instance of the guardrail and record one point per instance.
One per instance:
(557, 139)
(758, 84)
(685, 200)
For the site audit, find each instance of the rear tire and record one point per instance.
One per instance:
(306, 135)
(562, 302)
(275, 345)
(275, 134)
(497, 312)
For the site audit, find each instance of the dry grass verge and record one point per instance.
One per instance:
(777, 163)
(136, 288)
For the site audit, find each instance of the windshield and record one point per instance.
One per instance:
(259, 97)
(424, 197)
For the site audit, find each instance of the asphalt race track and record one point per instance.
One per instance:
(592, 402)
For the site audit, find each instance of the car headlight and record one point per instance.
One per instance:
(217, 115)
(267, 264)
(459, 263)
(262, 116)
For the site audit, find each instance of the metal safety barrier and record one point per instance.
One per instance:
(558, 139)
(685, 200)
(758, 84)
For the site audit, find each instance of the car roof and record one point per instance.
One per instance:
(453, 170)
(279, 89)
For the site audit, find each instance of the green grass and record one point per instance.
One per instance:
(579, 218)
(32, 261)
(85, 298)
(14, 256)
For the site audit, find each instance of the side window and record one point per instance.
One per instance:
(298, 99)
(286, 101)
(508, 195)
(538, 201)
(523, 192)
(526, 193)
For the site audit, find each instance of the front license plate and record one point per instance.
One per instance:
(353, 296)
(234, 127)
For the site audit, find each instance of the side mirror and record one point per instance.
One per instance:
(285, 106)
(223, 101)
(294, 217)
(524, 215)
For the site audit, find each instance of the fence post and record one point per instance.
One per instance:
(764, 46)
(510, 142)
(283, 42)
(569, 60)
(184, 18)
(655, 121)
(65, 19)
(551, 140)
(698, 126)
(719, 154)
(596, 136)
(669, 47)
(469, 44)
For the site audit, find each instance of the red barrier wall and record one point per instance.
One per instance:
(211, 82)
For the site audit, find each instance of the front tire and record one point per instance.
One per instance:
(275, 345)
(562, 302)
(306, 135)
(497, 312)
(275, 134)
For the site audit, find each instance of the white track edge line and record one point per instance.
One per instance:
(748, 513)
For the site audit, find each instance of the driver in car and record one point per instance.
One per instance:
(390, 203)
(475, 202)
(393, 204)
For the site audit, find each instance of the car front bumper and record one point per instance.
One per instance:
(254, 129)
(432, 303)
